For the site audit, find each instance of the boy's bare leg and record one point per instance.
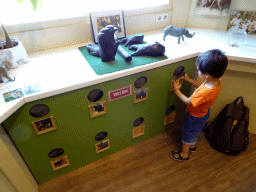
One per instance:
(185, 150)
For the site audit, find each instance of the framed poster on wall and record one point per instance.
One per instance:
(212, 7)
(244, 20)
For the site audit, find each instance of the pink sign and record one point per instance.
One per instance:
(119, 93)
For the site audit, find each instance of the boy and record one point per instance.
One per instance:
(236, 22)
(211, 66)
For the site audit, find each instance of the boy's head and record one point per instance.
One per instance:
(213, 62)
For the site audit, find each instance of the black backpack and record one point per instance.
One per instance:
(228, 133)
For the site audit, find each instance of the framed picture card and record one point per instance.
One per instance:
(98, 109)
(138, 131)
(140, 95)
(169, 118)
(100, 20)
(44, 125)
(60, 163)
(102, 146)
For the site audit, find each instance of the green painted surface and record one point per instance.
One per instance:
(76, 131)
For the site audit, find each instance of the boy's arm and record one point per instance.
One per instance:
(194, 82)
(182, 97)
(176, 88)
(232, 22)
(191, 81)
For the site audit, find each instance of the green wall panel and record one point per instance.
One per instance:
(76, 131)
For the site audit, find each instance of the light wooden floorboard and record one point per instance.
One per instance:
(147, 166)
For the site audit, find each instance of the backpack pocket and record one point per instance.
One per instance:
(238, 136)
(223, 135)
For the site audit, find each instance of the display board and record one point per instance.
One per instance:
(76, 129)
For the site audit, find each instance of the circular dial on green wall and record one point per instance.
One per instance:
(39, 110)
(140, 82)
(138, 121)
(95, 95)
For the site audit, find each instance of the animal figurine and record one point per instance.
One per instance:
(107, 43)
(4, 67)
(177, 32)
(12, 51)
(126, 56)
(134, 39)
(154, 49)
(8, 42)
(107, 47)
(93, 49)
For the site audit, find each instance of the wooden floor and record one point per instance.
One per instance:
(147, 167)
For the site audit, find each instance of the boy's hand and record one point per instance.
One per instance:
(174, 86)
(186, 77)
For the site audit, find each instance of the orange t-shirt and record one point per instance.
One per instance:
(202, 99)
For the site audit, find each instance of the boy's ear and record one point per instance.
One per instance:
(207, 75)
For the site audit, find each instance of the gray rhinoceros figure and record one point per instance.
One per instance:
(177, 32)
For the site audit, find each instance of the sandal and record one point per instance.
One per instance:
(177, 157)
(192, 150)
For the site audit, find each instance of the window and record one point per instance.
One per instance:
(61, 9)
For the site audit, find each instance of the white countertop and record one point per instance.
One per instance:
(65, 69)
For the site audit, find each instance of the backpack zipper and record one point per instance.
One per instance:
(234, 123)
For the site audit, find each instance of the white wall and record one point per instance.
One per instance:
(180, 12)
(14, 173)
(238, 80)
(5, 184)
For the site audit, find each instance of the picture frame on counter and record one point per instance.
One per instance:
(99, 20)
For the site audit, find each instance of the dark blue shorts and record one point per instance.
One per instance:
(192, 127)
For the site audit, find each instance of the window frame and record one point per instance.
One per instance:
(41, 25)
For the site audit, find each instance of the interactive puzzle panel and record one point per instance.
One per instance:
(79, 121)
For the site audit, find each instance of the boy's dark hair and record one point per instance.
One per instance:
(213, 62)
